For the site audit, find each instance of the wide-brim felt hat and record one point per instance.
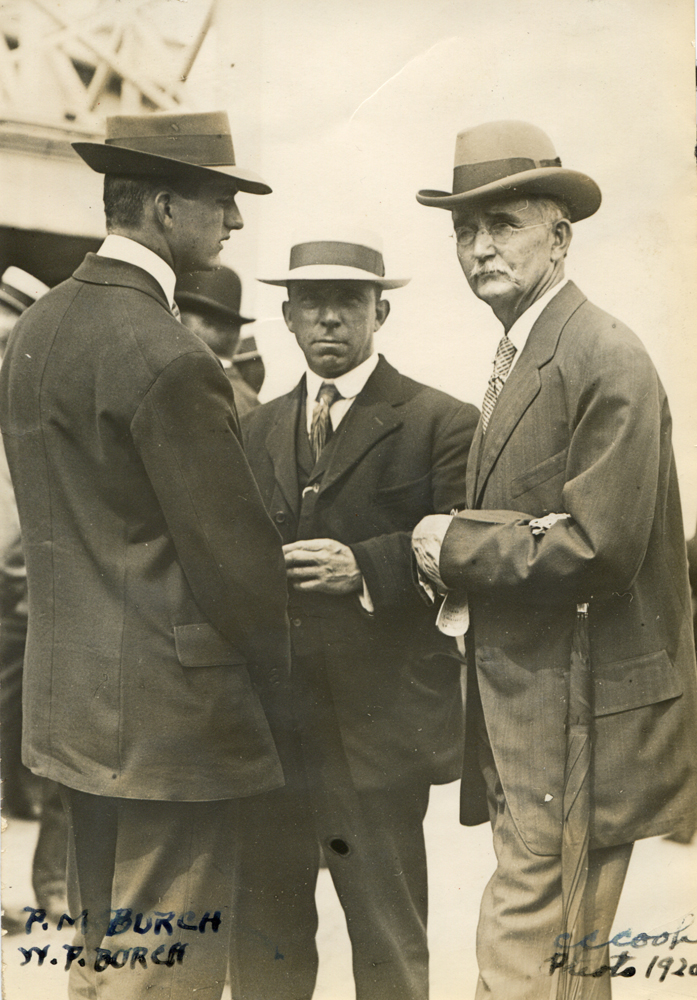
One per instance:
(339, 254)
(511, 158)
(19, 289)
(165, 145)
(217, 292)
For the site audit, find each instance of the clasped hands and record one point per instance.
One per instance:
(322, 565)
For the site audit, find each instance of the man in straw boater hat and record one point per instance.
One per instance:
(347, 463)
(157, 595)
(572, 538)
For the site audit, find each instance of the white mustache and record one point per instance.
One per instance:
(479, 271)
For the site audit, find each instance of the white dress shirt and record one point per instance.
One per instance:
(520, 331)
(130, 252)
(349, 385)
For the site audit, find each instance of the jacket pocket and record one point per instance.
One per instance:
(539, 473)
(201, 645)
(413, 493)
(635, 683)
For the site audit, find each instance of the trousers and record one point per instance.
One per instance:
(520, 915)
(380, 878)
(149, 888)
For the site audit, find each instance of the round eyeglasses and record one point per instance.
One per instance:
(499, 232)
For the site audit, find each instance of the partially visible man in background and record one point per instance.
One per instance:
(157, 593)
(23, 794)
(347, 463)
(20, 790)
(209, 303)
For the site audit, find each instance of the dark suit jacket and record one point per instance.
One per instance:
(398, 454)
(582, 426)
(156, 579)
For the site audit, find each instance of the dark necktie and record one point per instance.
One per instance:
(502, 365)
(175, 312)
(321, 427)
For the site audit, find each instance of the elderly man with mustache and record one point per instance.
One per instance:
(573, 502)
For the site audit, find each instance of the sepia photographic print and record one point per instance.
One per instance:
(346, 642)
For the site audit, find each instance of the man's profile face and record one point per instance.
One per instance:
(334, 322)
(505, 272)
(201, 223)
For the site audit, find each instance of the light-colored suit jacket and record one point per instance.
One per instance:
(582, 426)
(157, 587)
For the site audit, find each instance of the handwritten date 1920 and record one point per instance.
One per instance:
(665, 964)
(619, 967)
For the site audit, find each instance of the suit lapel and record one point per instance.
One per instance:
(371, 418)
(280, 443)
(520, 389)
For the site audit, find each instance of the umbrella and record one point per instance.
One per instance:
(576, 803)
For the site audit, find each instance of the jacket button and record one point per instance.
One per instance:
(297, 622)
(279, 517)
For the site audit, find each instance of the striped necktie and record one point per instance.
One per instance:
(502, 365)
(321, 427)
(175, 312)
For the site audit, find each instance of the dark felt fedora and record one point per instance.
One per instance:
(513, 158)
(161, 144)
(345, 253)
(218, 292)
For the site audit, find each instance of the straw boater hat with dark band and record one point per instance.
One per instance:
(19, 289)
(511, 158)
(166, 144)
(340, 255)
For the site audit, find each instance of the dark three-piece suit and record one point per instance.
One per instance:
(377, 695)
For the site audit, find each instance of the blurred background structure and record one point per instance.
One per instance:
(63, 69)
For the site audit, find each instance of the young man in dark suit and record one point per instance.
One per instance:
(347, 463)
(573, 536)
(157, 596)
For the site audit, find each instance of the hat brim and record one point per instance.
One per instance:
(335, 272)
(578, 191)
(202, 302)
(108, 159)
(9, 300)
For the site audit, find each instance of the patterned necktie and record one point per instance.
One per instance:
(505, 353)
(175, 312)
(321, 427)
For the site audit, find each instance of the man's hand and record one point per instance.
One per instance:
(426, 541)
(323, 565)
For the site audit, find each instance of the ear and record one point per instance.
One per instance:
(162, 207)
(287, 316)
(561, 233)
(382, 311)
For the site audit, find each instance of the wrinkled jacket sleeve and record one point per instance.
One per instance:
(386, 561)
(618, 467)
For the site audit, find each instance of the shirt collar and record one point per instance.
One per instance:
(131, 252)
(349, 384)
(520, 331)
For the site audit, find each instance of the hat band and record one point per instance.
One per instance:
(14, 297)
(469, 176)
(341, 254)
(198, 150)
